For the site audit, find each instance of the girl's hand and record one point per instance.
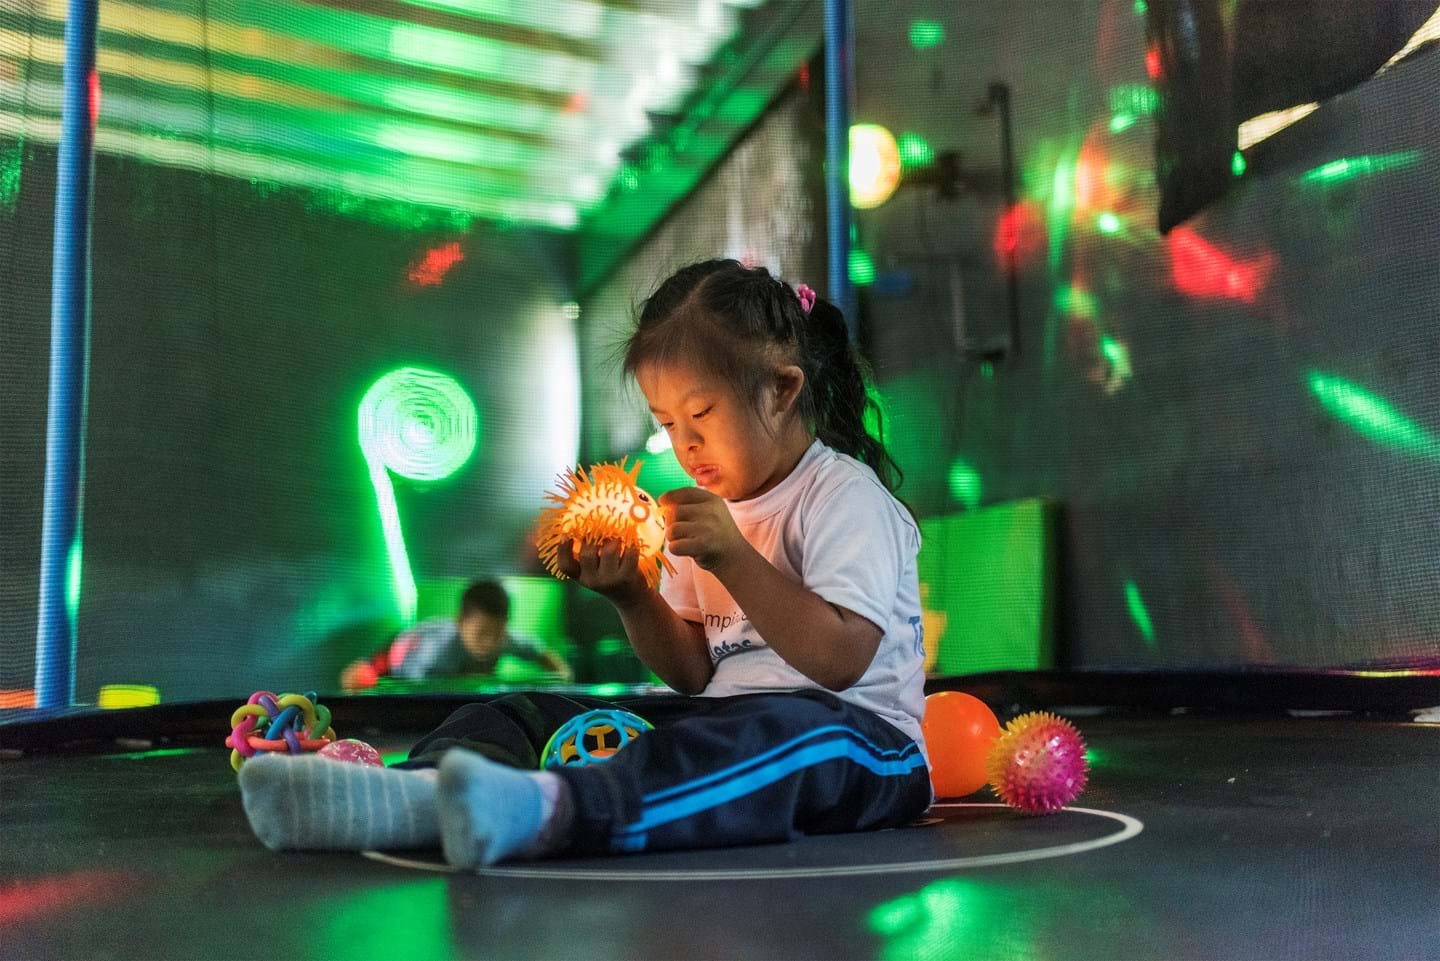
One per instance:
(699, 525)
(605, 568)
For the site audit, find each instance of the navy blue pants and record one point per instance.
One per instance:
(715, 772)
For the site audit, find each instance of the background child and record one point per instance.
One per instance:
(791, 629)
(470, 642)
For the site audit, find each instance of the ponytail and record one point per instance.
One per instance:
(840, 401)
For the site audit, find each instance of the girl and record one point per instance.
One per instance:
(791, 628)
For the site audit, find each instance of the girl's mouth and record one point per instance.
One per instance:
(706, 475)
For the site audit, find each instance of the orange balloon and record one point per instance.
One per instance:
(959, 731)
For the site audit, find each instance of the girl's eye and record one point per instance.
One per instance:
(703, 412)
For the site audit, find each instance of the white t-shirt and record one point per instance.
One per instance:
(832, 526)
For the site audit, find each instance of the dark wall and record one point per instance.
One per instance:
(231, 535)
(1240, 420)
(763, 205)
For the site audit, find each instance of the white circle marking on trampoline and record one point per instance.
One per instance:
(1130, 827)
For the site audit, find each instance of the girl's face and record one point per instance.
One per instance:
(718, 438)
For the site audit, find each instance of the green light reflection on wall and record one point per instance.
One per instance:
(862, 268)
(965, 484)
(1138, 613)
(915, 150)
(1075, 301)
(610, 689)
(660, 473)
(1371, 416)
(926, 33)
(12, 164)
(1062, 205)
(1349, 168)
(1136, 99)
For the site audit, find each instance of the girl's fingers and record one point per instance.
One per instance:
(565, 559)
(599, 566)
(629, 562)
(681, 530)
(687, 547)
(608, 560)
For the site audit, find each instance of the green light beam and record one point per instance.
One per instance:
(72, 581)
(1061, 206)
(1139, 614)
(1371, 416)
(1349, 168)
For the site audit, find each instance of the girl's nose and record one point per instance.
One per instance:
(689, 438)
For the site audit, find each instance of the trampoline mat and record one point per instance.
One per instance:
(1262, 838)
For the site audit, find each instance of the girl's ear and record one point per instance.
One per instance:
(789, 380)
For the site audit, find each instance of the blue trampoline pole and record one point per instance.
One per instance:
(838, 64)
(69, 365)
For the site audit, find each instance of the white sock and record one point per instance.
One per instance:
(490, 812)
(314, 803)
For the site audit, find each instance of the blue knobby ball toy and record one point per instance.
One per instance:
(592, 737)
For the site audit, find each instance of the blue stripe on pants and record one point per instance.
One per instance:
(864, 753)
(760, 758)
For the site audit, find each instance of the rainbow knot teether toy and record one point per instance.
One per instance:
(294, 723)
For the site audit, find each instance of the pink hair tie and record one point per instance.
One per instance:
(807, 298)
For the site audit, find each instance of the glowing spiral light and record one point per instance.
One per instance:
(420, 425)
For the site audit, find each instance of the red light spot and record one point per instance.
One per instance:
(1020, 233)
(1200, 269)
(805, 77)
(94, 84)
(1152, 63)
(436, 264)
(31, 898)
(1257, 645)
(1088, 167)
(577, 102)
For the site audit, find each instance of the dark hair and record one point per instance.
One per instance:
(485, 597)
(740, 323)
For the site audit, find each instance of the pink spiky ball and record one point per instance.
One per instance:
(352, 751)
(1037, 765)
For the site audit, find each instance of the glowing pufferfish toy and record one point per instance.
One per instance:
(605, 504)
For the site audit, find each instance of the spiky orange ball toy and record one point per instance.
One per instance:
(1037, 765)
(603, 505)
